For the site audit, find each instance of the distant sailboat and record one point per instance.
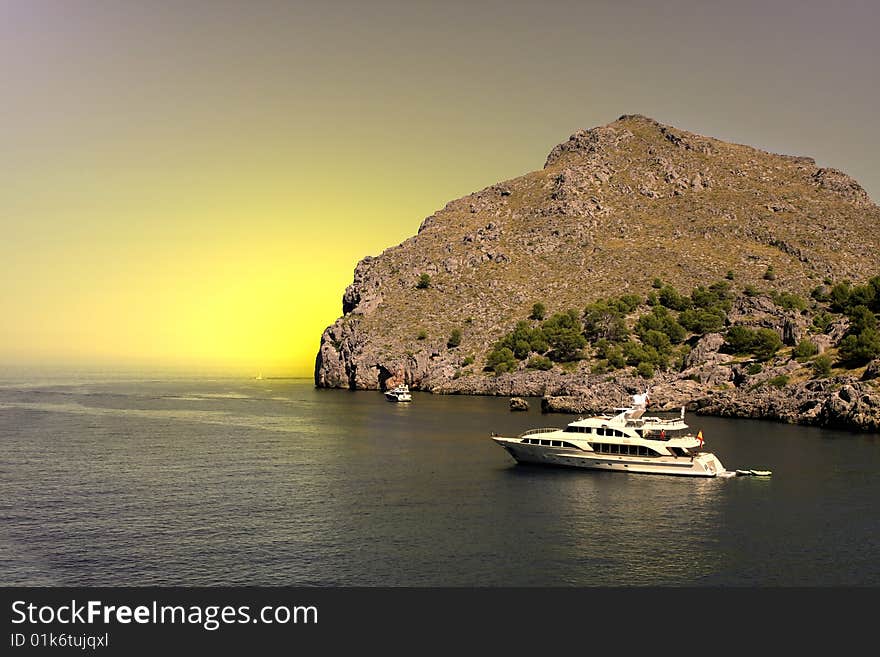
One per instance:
(259, 377)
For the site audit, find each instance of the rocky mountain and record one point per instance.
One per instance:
(614, 209)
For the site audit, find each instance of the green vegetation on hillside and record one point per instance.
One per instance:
(656, 332)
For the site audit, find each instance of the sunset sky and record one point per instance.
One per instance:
(189, 185)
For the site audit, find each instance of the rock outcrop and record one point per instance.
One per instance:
(518, 404)
(612, 209)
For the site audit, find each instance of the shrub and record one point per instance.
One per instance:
(739, 339)
(422, 334)
(424, 282)
(626, 303)
(564, 336)
(822, 320)
(788, 300)
(754, 368)
(770, 275)
(523, 340)
(766, 343)
(839, 296)
(616, 359)
(659, 319)
(679, 361)
(652, 299)
(604, 321)
(805, 349)
(861, 318)
(454, 339)
(611, 353)
(751, 291)
(540, 363)
(820, 293)
(699, 321)
(822, 366)
(538, 311)
(670, 298)
(862, 347)
(717, 297)
(538, 341)
(657, 284)
(636, 353)
(501, 360)
(778, 381)
(862, 342)
(867, 295)
(522, 349)
(660, 341)
(645, 370)
(729, 275)
(468, 360)
(763, 343)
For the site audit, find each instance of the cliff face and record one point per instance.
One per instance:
(613, 208)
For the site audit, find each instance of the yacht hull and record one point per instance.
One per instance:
(704, 464)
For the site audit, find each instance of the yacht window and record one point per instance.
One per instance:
(556, 443)
(545, 442)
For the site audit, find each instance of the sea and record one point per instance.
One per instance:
(140, 481)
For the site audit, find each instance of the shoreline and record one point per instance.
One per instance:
(835, 403)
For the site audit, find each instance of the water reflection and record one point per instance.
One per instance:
(273, 483)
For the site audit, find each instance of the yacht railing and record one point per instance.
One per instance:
(544, 430)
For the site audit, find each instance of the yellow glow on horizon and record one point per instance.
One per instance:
(189, 188)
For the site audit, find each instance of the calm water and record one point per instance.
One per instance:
(202, 482)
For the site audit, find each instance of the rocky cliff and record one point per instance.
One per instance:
(613, 209)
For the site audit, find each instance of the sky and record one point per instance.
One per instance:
(189, 185)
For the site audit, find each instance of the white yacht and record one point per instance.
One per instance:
(398, 394)
(629, 441)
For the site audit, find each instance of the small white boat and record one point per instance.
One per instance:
(627, 442)
(754, 473)
(398, 394)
